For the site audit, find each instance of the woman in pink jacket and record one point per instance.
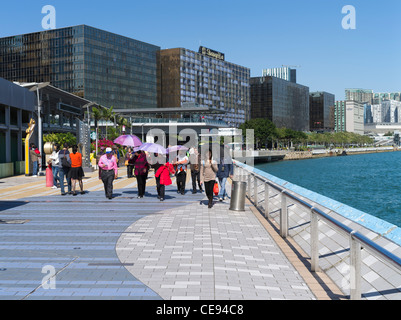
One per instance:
(163, 179)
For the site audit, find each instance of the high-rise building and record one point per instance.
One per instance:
(321, 111)
(359, 95)
(97, 65)
(379, 97)
(349, 116)
(204, 79)
(285, 103)
(284, 73)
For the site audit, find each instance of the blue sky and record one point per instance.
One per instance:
(256, 33)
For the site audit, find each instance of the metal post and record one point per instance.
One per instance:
(40, 130)
(355, 268)
(249, 185)
(314, 241)
(267, 198)
(255, 190)
(284, 216)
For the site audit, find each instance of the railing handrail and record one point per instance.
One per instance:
(362, 240)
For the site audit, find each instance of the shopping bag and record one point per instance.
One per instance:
(216, 188)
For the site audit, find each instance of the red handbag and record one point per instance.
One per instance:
(216, 189)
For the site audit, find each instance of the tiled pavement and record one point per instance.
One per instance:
(130, 248)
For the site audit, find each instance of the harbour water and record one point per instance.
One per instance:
(368, 182)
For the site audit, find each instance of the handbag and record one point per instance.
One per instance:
(65, 162)
(216, 188)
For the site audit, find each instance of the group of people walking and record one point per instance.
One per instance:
(205, 171)
(67, 166)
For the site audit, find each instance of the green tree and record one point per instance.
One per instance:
(60, 138)
(264, 130)
(107, 115)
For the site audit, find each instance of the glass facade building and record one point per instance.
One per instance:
(283, 102)
(321, 111)
(189, 78)
(97, 65)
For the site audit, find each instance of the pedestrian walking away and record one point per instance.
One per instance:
(209, 169)
(108, 164)
(181, 171)
(195, 163)
(76, 172)
(225, 170)
(141, 171)
(55, 165)
(64, 169)
(163, 179)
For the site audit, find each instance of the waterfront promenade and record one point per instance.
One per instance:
(129, 248)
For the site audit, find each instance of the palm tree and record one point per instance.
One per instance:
(107, 115)
(121, 121)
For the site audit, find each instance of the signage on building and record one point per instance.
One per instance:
(68, 108)
(211, 53)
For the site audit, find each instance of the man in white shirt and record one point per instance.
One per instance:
(55, 165)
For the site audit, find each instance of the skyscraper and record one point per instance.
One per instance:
(284, 73)
(285, 103)
(321, 111)
(97, 65)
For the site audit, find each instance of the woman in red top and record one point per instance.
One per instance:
(76, 172)
(163, 179)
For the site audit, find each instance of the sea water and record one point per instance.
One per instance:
(368, 182)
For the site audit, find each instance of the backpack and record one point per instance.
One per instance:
(64, 162)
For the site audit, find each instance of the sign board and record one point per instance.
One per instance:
(211, 53)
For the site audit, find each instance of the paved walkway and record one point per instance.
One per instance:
(89, 247)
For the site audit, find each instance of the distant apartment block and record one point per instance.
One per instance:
(388, 111)
(359, 95)
(371, 97)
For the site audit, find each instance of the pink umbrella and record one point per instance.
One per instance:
(152, 148)
(129, 141)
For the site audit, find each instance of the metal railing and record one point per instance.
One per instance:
(357, 240)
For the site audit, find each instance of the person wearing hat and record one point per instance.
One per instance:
(109, 168)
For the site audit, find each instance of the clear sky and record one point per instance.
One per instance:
(257, 34)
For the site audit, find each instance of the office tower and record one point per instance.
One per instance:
(321, 105)
(206, 79)
(97, 65)
(285, 103)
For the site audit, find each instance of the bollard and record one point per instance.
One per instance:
(49, 177)
(238, 194)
